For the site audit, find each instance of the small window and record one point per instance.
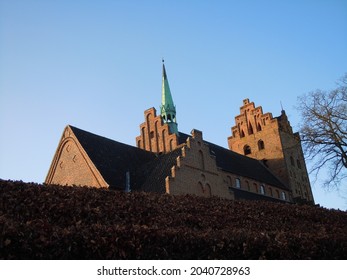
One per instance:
(152, 134)
(238, 183)
(259, 127)
(292, 161)
(262, 189)
(278, 194)
(255, 187)
(247, 185)
(250, 129)
(283, 196)
(261, 145)
(270, 191)
(229, 181)
(247, 150)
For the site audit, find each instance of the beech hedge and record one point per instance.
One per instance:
(56, 222)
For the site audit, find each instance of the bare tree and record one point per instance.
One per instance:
(324, 131)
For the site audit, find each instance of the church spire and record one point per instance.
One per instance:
(167, 108)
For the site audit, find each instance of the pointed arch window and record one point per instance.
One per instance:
(200, 188)
(247, 150)
(207, 190)
(283, 196)
(261, 145)
(250, 129)
(229, 181)
(247, 185)
(238, 183)
(262, 190)
(259, 127)
(201, 160)
(255, 187)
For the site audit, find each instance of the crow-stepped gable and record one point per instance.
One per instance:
(264, 160)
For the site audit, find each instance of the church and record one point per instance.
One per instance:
(264, 161)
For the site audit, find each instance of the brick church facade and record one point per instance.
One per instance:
(264, 160)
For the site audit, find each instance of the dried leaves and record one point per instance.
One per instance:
(52, 222)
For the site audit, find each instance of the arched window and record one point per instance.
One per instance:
(250, 129)
(238, 183)
(163, 139)
(292, 161)
(261, 145)
(247, 186)
(270, 191)
(283, 196)
(247, 150)
(255, 187)
(207, 190)
(262, 189)
(278, 194)
(143, 138)
(259, 127)
(171, 144)
(201, 160)
(200, 188)
(230, 181)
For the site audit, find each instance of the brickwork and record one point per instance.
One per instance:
(196, 171)
(155, 134)
(233, 181)
(71, 165)
(263, 137)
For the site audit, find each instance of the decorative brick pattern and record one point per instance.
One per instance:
(72, 166)
(155, 134)
(271, 140)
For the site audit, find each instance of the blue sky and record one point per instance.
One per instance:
(97, 65)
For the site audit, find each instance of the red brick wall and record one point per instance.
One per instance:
(71, 166)
(155, 135)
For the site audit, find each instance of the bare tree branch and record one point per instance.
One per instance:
(324, 130)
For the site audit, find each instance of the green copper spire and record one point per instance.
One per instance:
(167, 108)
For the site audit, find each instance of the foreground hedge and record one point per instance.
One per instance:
(53, 222)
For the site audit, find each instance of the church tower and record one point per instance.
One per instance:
(167, 108)
(159, 134)
(271, 140)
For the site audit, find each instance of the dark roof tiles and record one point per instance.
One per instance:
(113, 159)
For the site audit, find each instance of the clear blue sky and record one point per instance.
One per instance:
(97, 65)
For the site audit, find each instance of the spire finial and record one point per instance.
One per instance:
(281, 105)
(167, 108)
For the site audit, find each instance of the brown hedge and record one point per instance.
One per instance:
(54, 222)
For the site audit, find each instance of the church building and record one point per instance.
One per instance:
(264, 160)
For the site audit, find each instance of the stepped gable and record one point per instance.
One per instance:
(113, 159)
(154, 173)
(241, 165)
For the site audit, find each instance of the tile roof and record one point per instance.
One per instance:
(113, 159)
(149, 170)
(238, 164)
(155, 172)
